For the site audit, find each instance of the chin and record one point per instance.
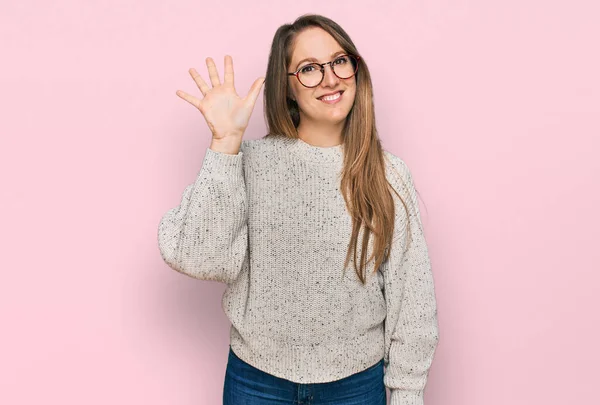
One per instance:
(336, 119)
(338, 115)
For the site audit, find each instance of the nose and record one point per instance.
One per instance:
(329, 79)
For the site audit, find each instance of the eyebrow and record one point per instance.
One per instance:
(315, 60)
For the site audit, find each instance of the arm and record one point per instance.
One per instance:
(205, 237)
(411, 326)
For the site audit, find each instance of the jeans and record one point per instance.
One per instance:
(247, 385)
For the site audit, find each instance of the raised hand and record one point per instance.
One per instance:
(226, 113)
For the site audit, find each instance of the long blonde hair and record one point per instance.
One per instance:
(364, 185)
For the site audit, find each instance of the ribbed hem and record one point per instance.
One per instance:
(404, 397)
(316, 363)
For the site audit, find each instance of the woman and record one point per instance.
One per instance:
(280, 219)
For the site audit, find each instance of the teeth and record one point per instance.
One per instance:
(332, 97)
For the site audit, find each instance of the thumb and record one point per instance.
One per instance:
(254, 92)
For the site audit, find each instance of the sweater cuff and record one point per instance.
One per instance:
(225, 161)
(223, 165)
(404, 397)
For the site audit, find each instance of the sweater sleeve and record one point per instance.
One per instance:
(205, 237)
(411, 325)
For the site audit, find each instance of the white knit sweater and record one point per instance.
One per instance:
(271, 223)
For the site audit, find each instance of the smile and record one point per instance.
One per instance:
(332, 99)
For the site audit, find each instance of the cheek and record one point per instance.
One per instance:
(352, 97)
(293, 91)
(306, 100)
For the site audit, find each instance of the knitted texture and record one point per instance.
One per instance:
(271, 223)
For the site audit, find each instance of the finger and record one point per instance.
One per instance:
(199, 81)
(189, 98)
(228, 71)
(212, 72)
(254, 92)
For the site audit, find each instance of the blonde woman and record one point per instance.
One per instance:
(315, 230)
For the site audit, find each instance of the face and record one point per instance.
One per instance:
(316, 43)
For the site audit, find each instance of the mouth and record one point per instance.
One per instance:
(331, 98)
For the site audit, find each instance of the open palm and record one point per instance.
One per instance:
(226, 113)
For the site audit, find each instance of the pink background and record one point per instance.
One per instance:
(494, 105)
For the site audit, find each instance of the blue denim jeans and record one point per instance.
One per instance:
(247, 385)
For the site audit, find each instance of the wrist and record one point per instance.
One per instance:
(229, 146)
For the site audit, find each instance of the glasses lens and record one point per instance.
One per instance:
(345, 66)
(310, 75)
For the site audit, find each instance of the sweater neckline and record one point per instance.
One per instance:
(316, 154)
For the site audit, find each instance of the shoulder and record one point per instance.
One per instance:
(262, 145)
(263, 150)
(399, 176)
(397, 171)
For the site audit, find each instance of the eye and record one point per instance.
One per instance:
(341, 60)
(308, 68)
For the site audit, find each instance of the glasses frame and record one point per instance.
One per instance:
(322, 65)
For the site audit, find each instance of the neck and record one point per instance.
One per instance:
(321, 134)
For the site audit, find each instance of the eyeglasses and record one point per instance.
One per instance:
(312, 74)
